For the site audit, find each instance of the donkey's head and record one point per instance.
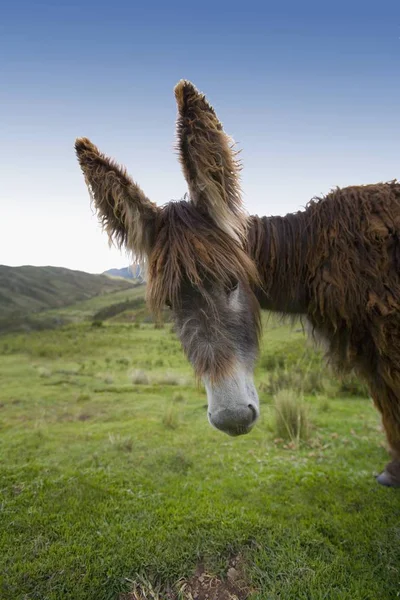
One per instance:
(195, 255)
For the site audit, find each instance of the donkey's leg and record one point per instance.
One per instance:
(388, 403)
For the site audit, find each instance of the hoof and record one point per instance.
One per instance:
(385, 478)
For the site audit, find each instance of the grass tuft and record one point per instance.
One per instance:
(169, 379)
(291, 421)
(171, 417)
(139, 377)
(178, 398)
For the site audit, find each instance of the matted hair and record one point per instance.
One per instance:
(190, 247)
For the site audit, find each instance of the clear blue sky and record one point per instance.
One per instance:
(309, 90)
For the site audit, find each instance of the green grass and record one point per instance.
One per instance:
(106, 481)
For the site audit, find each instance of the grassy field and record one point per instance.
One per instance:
(114, 486)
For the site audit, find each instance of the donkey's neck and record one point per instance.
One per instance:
(279, 247)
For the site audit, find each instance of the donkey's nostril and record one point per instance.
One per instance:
(254, 411)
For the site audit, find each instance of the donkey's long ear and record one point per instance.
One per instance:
(209, 162)
(124, 211)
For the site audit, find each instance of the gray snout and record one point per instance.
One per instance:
(235, 422)
(233, 403)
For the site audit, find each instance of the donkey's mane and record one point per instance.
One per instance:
(190, 248)
(337, 262)
(279, 247)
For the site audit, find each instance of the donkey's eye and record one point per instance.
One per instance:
(168, 304)
(232, 286)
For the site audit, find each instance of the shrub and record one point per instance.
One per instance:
(351, 385)
(291, 419)
(115, 309)
(83, 397)
(44, 372)
(140, 378)
(168, 379)
(97, 323)
(123, 361)
(306, 379)
(170, 418)
(270, 362)
(121, 443)
(178, 398)
(325, 406)
(290, 354)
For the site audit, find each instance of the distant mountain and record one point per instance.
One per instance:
(132, 272)
(28, 289)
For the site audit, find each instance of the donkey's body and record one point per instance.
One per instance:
(337, 263)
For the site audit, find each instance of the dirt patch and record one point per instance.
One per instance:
(201, 586)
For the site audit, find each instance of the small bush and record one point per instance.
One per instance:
(124, 444)
(290, 354)
(306, 379)
(170, 418)
(178, 398)
(83, 397)
(43, 372)
(123, 361)
(115, 309)
(97, 323)
(325, 406)
(168, 379)
(140, 378)
(291, 420)
(351, 385)
(270, 362)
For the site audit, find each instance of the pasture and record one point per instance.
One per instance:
(113, 486)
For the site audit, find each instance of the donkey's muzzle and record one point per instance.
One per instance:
(235, 422)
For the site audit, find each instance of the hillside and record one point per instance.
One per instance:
(31, 289)
(29, 295)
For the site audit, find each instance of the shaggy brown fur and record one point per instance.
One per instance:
(208, 161)
(338, 263)
(189, 258)
(190, 249)
(126, 214)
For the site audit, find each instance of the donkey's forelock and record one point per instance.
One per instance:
(190, 248)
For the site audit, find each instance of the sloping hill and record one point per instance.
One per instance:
(30, 289)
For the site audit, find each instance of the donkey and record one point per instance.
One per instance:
(336, 264)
